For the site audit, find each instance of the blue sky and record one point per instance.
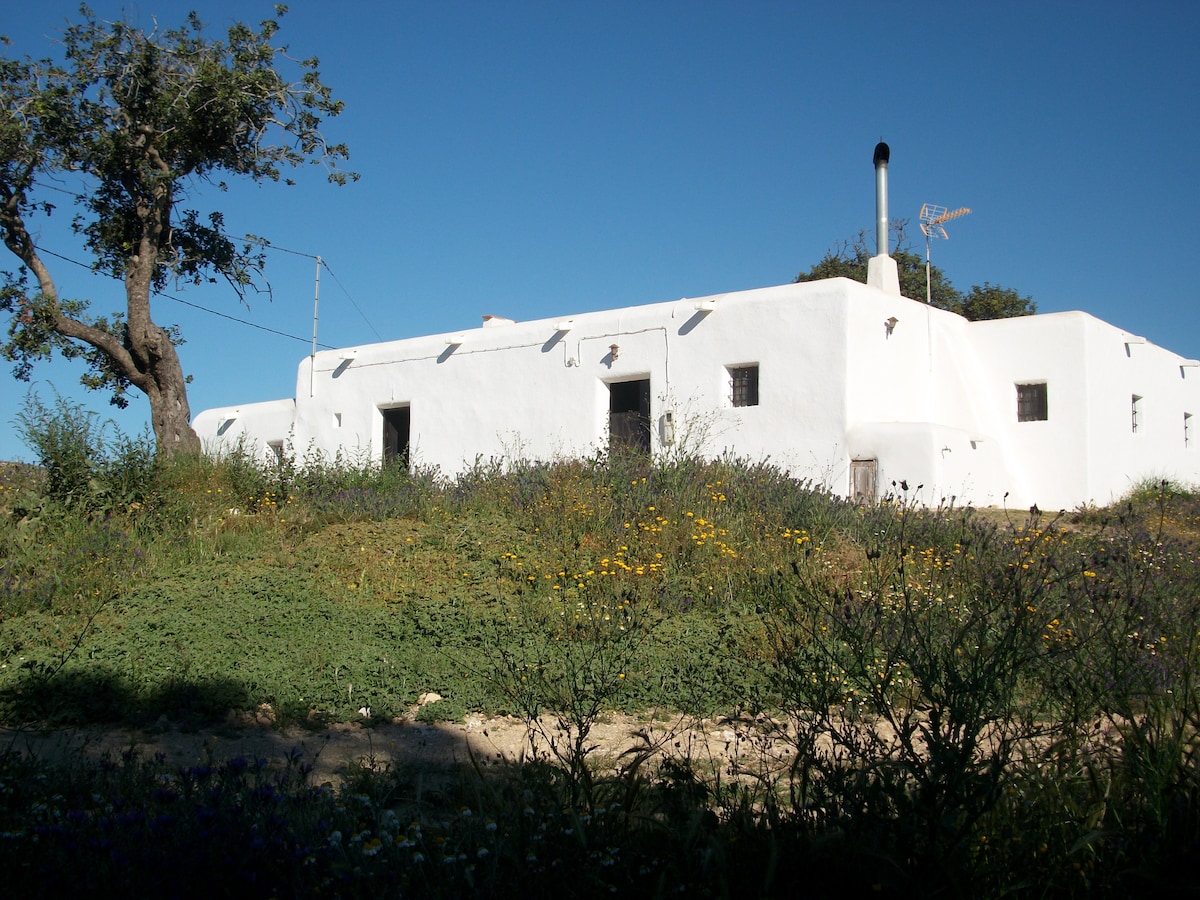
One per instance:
(538, 159)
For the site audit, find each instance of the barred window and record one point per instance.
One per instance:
(1032, 405)
(743, 385)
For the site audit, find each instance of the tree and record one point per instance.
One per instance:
(994, 302)
(849, 260)
(137, 120)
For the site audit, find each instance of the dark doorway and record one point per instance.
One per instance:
(395, 435)
(629, 417)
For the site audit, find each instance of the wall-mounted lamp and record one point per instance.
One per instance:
(454, 340)
(889, 325)
(613, 350)
(565, 325)
(706, 305)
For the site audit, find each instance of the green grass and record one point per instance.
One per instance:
(973, 704)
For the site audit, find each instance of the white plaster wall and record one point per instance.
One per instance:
(933, 401)
(251, 426)
(533, 390)
(1086, 451)
(1123, 458)
(913, 400)
(796, 334)
(1049, 460)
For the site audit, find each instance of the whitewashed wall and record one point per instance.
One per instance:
(248, 426)
(930, 397)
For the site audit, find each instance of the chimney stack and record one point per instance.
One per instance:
(881, 268)
(880, 160)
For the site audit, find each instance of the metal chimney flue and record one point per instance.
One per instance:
(882, 154)
(882, 272)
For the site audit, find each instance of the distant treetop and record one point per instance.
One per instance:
(849, 260)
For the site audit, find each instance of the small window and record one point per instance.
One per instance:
(1032, 405)
(1187, 430)
(276, 448)
(743, 385)
(1135, 410)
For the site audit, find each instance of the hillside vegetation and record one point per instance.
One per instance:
(972, 703)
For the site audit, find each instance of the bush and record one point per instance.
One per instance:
(89, 465)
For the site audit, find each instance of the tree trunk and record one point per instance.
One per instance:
(170, 415)
(159, 373)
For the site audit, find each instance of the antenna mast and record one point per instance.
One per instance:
(312, 366)
(933, 219)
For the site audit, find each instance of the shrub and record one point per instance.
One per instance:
(88, 464)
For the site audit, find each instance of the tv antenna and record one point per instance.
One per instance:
(933, 225)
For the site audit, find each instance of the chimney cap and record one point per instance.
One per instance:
(882, 154)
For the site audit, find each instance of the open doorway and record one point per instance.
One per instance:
(396, 425)
(629, 417)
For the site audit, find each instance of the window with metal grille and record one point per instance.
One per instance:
(743, 385)
(1032, 405)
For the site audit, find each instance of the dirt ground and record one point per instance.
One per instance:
(493, 742)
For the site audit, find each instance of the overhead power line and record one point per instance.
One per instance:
(262, 242)
(197, 306)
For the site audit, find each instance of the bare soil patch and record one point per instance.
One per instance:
(333, 750)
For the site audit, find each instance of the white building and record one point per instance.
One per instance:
(851, 385)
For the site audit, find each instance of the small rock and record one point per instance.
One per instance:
(427, 698)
